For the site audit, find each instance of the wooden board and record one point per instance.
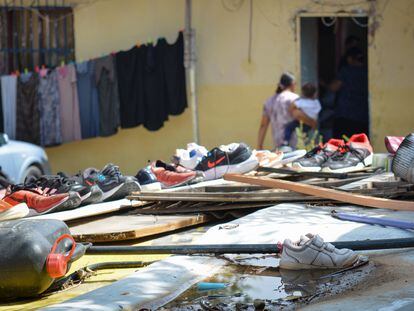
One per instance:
(90, 210)
(129, 227)
(324, 192)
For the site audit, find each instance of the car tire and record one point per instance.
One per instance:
(32, 171)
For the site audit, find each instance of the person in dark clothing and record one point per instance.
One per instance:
(350, 42)
(351, 111)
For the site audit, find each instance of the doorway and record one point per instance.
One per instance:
(325, 43)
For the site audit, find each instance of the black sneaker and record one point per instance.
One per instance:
(314, 159)
(233, 158)
(112, 183)
(354, 156)
(147, 179)
(95, 192)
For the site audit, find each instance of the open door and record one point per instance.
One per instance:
(334, 53)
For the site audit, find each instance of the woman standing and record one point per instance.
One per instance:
(276, 112)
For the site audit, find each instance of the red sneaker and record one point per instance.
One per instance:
(171, 176)
(38, 203)
(356, 155)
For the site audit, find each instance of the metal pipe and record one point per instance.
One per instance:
(190, 65)
(242, 248)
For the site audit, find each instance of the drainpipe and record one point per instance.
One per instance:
(190, 65)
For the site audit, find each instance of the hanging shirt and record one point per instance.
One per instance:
(69, 104)
(172, 56)
(27, 109)
(156, 109)
(130, 73)
(106, 81)
(49, 106)
(88, 99)
(276, 109)
(8, 93)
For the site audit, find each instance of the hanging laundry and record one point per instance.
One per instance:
(156, 110)
(27, 109)
(49, 106)
(107, 84)
(174, 72)
(1, 112)
(9, 95)
(130, 72)
(69, 105)
(88, 99)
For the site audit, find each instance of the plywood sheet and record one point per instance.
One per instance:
(129, 227)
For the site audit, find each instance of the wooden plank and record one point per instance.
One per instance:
(324, 192)
(90, 210)
(130, 227)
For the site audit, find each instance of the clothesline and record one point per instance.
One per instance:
(140, 86)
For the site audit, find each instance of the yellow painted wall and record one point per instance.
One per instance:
(230, 90)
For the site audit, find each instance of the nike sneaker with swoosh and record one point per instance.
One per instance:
(236, 158)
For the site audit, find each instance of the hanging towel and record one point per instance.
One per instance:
(88, 99)
(49, 106)
(9, 96)
(69, 104)
(27, 109)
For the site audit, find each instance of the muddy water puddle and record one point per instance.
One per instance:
(257, 283)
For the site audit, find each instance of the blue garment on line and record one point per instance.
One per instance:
(88, 99)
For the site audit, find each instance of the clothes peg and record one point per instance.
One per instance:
(62, 63)
(37, 69)
(26, 71)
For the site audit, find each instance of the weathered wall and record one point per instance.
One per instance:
(231, 91)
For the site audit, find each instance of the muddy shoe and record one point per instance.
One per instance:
(311, 252)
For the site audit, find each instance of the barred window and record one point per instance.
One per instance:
(35, 35)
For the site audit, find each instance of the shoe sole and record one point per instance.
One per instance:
(358, 167)
(240, 168)
(18, 211)
(123, 190)
(301, 266)
(151, 187)
(73, 202)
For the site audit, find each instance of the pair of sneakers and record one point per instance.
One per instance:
(336, 156)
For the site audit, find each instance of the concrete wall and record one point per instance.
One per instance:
(231, 90)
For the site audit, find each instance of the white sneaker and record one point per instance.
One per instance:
(311, 252)
(190, 157)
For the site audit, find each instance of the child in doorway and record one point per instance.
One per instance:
(308, 104)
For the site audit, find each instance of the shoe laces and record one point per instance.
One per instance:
(342, 151)
(111, 171)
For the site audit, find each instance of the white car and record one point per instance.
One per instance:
(19, 160)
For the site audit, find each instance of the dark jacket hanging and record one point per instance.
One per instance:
(130, 71)
(174, 74)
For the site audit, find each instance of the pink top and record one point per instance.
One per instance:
(276, 108)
